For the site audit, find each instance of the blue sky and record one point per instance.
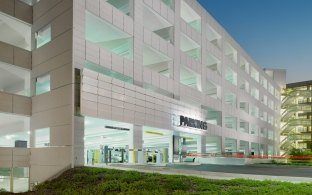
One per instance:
(275, 33)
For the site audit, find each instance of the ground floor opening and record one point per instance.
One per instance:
(107, 141)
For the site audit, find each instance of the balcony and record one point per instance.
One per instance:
(190, 16)
(213, 90)
(125, 6)
(156, 61)
(190, 47)
(230, 52)
(213, 37)
(15, 32)
(231, 76)
(14, 169)
(14, 80)
(244, 65)
(157, 24)
(213, 63)
(14, 129)
(190, 78)
(107, 36)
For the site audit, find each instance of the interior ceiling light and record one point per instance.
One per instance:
(117, 128)
(153, 132)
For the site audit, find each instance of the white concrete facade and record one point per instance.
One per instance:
(142, 65)
(109, 98)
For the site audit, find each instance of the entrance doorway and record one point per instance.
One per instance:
(106, 141)
(156, 144)
(185, 146)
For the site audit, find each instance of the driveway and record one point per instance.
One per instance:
(259, 169)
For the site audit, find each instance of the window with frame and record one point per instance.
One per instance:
(43, 84)
(43, 36)
(42, 138)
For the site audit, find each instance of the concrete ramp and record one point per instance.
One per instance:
(230, 161)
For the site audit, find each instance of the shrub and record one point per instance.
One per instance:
(108, 181)
(2, 190)
(300, 155)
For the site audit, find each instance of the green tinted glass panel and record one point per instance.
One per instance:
(5, 171)
(123, 5)
(196, 24)
(108, 72)
(21, 172)
(169, 3)
(42, 87)
(158, 90)
(43, 36)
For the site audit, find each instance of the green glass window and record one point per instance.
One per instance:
(43, 84)
(108, 72)
(43, 36)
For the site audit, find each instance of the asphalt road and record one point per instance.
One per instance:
(259, 169)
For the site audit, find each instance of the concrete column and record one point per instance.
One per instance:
(11, 180)
(255, 148)
(276, 150)
(237, 145)
(136, 144)
(245, 146)
(222, 144)
(248, 149)
(201, 144)
(170, 149)
(138, 43)
(78, 139)
(234, 145)
(199, 83)
(264, 149)
(131, 4)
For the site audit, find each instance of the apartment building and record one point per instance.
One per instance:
(296, 119)
(90, 82)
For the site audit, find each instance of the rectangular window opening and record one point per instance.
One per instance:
(43, 36)
(42, 138)
(43, 84)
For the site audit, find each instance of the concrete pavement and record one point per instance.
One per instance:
(255, 172)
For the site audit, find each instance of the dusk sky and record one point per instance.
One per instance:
(275, 33)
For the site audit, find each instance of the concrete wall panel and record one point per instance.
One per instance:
(14, 55)
(17, 9)
(22, 58)
(22, 105)
(61, 76)
(52, 64)
(56, 47)
(6, 102)
(51, 15)
(16, 104)
(62, 23)
(42, 7)
(16, 157)
(61, 135)
(7, 6)
(54, 99)
(53, 117)
(47, 162)
(23, 11)
(6, 53)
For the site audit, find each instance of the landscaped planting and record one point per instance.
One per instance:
(88, 180)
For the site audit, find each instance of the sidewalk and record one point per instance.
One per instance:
(203, 174)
